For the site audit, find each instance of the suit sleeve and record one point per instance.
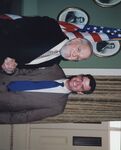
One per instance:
(27, 116)
(21, 107)
(25, 39)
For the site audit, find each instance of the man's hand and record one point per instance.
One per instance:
(9, 65)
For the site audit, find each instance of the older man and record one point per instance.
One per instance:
(37, 41)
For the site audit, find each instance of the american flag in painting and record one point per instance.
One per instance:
(9, 16)
(91, 32)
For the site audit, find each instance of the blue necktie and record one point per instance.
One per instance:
(16, 86)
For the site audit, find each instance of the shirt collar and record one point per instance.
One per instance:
(65, 88)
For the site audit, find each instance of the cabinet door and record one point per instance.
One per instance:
(5, 137)
(56, 136)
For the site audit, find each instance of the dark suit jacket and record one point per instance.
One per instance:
(29, 37)
(22, 107)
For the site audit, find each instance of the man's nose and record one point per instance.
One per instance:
(78, 83)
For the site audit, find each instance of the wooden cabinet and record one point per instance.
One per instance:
(57, 136)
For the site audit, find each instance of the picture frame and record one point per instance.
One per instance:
(112, 48)
(74, 15)
(107, 3)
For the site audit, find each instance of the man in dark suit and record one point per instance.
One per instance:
(27, 106)
(26, 41)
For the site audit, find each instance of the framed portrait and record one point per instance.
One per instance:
(74, 16)
(106, 48)
(107, 3)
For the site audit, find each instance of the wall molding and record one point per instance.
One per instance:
(105, 72)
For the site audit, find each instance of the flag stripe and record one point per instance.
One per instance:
(91, 32)
(96, 37)
(9, 16)
(5, 17)
(70, 35)
(104, 37)
(68, 26)
(78, 35)
(87, 36)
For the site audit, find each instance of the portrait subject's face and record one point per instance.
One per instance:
(78, 18)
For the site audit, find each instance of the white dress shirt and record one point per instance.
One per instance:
(49, 55)
(58, 89)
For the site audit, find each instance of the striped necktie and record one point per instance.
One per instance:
(17, 86)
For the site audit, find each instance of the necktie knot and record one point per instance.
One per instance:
(61, 84)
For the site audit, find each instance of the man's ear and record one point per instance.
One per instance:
(80, 93)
